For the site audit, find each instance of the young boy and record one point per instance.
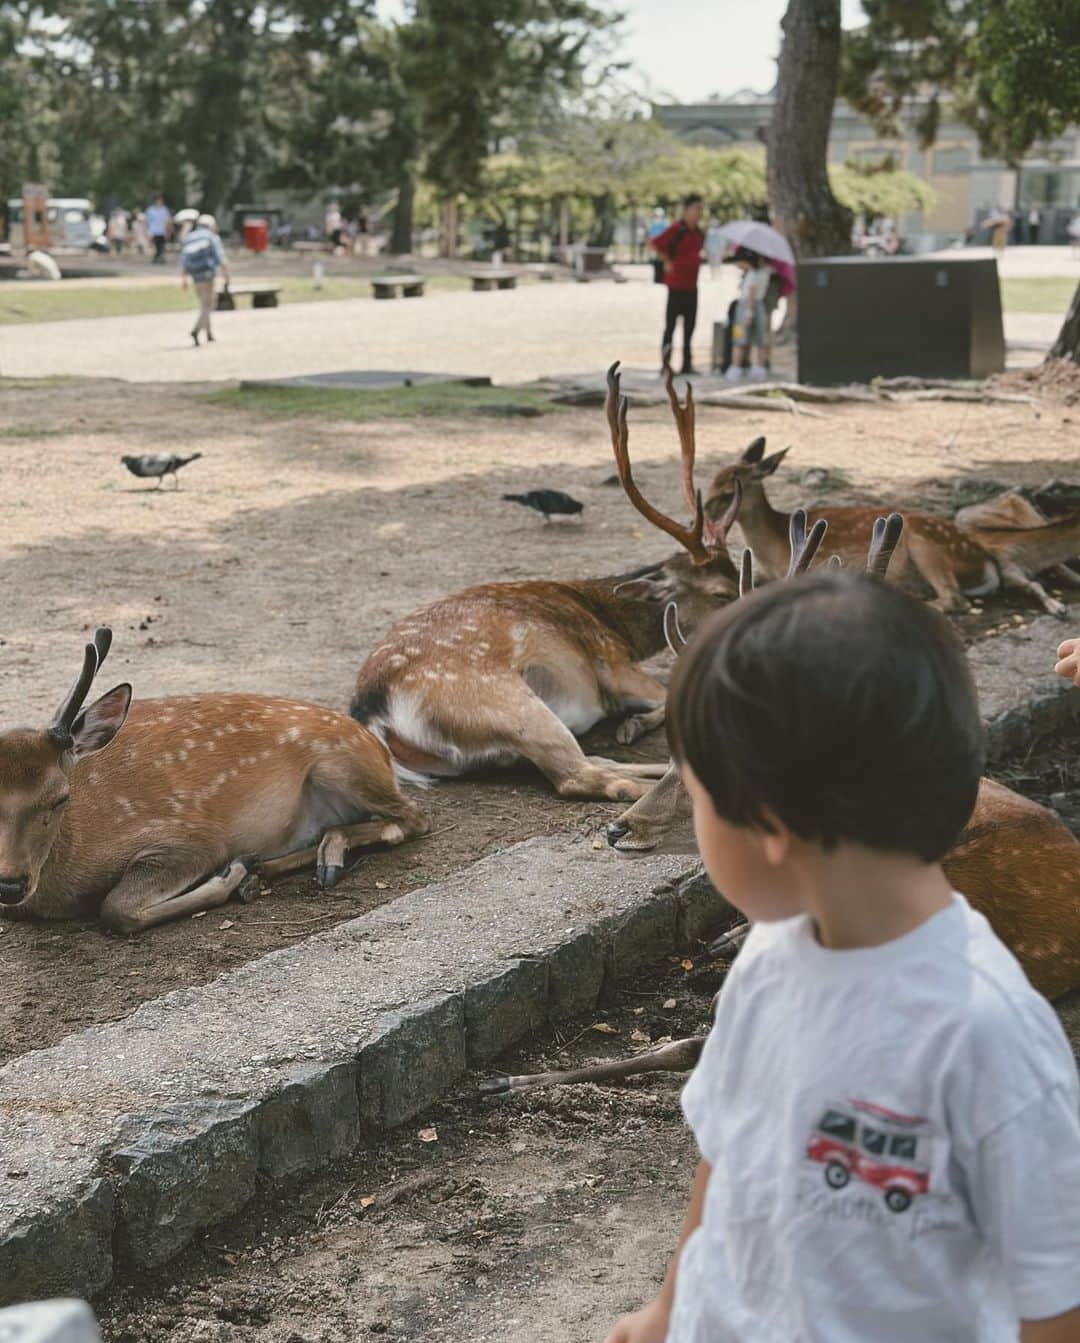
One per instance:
(751, 336)
(887, 1112)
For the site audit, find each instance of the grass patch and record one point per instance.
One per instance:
(15, 431)
(446, 399)
(1040, 293)
(36, 301)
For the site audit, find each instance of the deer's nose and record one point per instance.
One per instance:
(616, 830)
(12, 890)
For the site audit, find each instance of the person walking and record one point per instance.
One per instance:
(201, 257)
(1034, 222)
(681, 248)
(140, 235)
(159, 226)
(750, 339)
(117, 229)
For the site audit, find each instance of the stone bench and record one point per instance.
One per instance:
(262, 296)
(493, 279)
(387, 286)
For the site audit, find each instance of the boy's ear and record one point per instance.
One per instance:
(769, 464)
(775, 840)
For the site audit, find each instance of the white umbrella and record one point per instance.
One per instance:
(187, 216)
(760, 238)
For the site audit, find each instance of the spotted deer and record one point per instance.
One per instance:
(149, 811)
(1016, 861)
(509, 671)
(934, 552)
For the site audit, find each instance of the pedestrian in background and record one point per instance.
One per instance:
(140, 235)
(681, 249)
(750, 340)
(117, 229)
(159, 226)
(201, 257)
(1034, 223)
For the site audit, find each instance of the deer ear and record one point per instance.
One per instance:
(647, 589)
(754, 451)
(96, 726)
(769, 464)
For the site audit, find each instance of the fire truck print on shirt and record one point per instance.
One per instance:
(858, 1140)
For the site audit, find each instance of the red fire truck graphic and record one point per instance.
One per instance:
(881, 1148)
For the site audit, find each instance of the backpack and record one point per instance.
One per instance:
(198, 255)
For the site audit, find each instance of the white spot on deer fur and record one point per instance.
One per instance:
(398, 661)
(189, 743)
(413, 651)
(392, 834)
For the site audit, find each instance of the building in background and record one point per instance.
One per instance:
(967, 186)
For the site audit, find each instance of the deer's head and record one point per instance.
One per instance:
(701, 575)
(743, 477)
(34, 769)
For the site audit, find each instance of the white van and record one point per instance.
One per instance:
(69, 222)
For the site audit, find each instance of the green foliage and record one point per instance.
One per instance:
(1009, 67)
(875, 190)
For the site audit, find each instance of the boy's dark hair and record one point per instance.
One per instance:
(692, 199)
(839, 705)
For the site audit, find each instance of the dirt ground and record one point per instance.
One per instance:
(534, 1218)
(296, 542)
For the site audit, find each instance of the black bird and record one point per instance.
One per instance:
(160, 464)
(547, 502)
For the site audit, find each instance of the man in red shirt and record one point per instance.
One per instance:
(681, 248)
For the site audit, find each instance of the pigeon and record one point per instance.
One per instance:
(547, 502)
(160, 464)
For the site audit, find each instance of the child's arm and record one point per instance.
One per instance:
(1068, 663)
(1061, 1329)
(650, 1323)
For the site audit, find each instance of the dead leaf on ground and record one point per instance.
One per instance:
(604, 1028)
(230, 1259)
(367, 1200)
(687, 963)
(226, 923)
(428, 1135)
(641, 1037)
(200, 914)
(668, 1004)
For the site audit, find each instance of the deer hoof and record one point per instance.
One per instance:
(328, 875)
(248, 890)
(1057, 608)
(628, 731)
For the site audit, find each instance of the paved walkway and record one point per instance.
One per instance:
(536, 331)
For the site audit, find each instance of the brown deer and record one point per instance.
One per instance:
(509, 671)
(934, 552)
(151, 811)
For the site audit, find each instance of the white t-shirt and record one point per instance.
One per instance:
(755, 284)
(894, 1135)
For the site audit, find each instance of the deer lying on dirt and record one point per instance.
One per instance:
(508, 671)
(954, 562)
(1015, 861)
(162, 819)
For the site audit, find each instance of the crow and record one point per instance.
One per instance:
(160, 464)
(547, 502)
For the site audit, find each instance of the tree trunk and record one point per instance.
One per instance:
(1067, 345)
(401, 234)
(801, 201)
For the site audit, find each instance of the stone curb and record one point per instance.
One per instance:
(123, 1142)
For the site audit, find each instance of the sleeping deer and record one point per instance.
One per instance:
(152, 811)
(509, 671)
(953, 562)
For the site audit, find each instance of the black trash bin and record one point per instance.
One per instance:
(928, 317)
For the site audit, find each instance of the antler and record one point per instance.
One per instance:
(803, 546)
(690, 538)
(96, 653)
(883, 542)
(685, 420)
(746, 573)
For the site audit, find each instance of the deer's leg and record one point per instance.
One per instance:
(637, 690)
(1069, 577)
(534, 732)
(1012, 576)
(934, 569)
(153, 891)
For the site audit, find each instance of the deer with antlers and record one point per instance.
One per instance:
(1016, 862)
(935, 553)
(152, 811)
(509, 671)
